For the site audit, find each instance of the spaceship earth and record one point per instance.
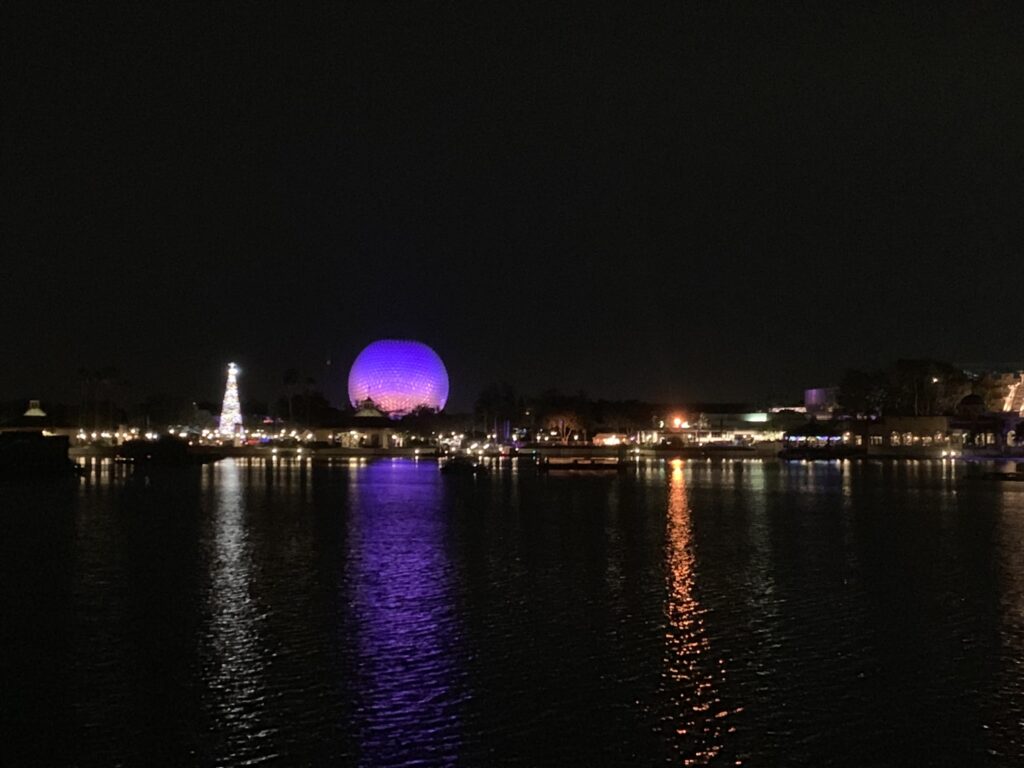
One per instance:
(398, 375)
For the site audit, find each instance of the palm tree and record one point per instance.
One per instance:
(291, 379)
(107, 378)
(310, 383)
(85, 381)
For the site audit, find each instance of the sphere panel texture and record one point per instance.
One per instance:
(398, 376)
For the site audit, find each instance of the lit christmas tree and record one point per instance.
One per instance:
(231, 411)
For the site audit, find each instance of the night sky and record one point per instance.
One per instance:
(668, 201)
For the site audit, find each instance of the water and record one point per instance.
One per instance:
(380, 613)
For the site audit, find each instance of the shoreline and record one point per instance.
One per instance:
(763, 452)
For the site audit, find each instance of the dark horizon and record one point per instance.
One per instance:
(727, 204)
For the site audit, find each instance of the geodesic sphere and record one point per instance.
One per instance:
(398, 376)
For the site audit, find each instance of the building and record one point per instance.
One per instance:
(728, 423)
(399, 376)
(986, 432)
(368, 427)
(1014, 402)
(35, 419)
(971, 431)
(905, 436)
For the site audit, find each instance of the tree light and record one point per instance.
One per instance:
(231, 411)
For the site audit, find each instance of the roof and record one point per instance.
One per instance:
(34, 409)
(368, 409)
(25, 422)
(365, 422)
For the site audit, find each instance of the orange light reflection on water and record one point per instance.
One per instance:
(692, 674)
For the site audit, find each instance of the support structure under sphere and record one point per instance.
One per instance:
(399, 376)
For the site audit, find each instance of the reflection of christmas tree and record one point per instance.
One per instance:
(231, 412)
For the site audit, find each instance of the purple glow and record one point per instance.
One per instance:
(398, 376)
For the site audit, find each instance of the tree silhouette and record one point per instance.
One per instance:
(308, 393)
(291, 380)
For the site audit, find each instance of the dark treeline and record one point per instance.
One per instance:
(917, 388)
(106, 400)
(501, 405)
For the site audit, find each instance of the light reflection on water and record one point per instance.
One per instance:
(405, 617)
(1009, 688)
(695, 675)
(379, 613)
(237, 655)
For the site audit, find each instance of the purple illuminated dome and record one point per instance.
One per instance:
(398, 376)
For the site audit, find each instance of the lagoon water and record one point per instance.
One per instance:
(382, 614)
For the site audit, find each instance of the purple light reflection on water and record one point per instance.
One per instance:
(405, 616)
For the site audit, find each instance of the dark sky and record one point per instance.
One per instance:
(668, 201)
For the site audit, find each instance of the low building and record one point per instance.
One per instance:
(610, 438)
(986, 432)
(905, 436)
(35, 419)
(735, 424)
(368, 427)
(820, 439)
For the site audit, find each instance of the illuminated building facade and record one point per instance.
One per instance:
(1014, 402)
(398, 376)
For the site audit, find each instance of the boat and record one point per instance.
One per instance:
(463, 465)
(591, 463)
